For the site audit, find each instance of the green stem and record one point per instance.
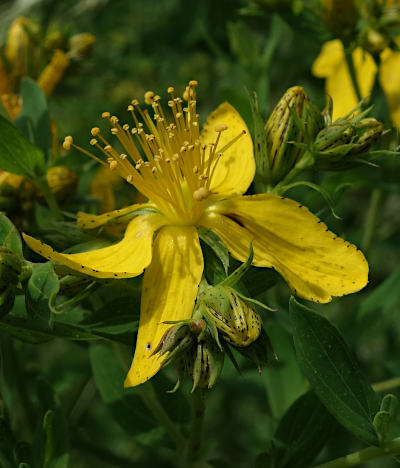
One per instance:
(149, 397)
(370, 453)
(386, 385)
(350, 64)
(49, 197)
(193, 445)
(370, 220)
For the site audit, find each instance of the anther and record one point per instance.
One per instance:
(170, 89)
(148, 97)
(125, 127)
(95, 131)
(135, 102)
(113, 165)
(130, 108)
(200, 194)
(105, 115)
(114, 131)
(193, 83)
(123, 156)
(221, 127)
(93, 141)
(153, 170)
(67, 143)
(129, 178)
(114, 119)
(108, 148)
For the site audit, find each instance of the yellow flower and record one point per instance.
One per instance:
(331, 65)
(193, 179)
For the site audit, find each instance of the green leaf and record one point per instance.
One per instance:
(125, 405)
(34, 120)
(333, 372)
(215, 243)
(54, 442)
(382, 299)
(301, 433)
(41, 290)
(9, 236)
(17, 154)
(283, 382)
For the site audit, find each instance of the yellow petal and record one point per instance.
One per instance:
(315, 262)
(89, 221)
(331, 64)
(125, 259)
(329, 58)
(169, 291)
(389, 75)
(235, 169)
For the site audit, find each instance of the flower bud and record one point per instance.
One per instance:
(340, 17)
(18, 46)
(293, 111)
(340, 144)
(237, 322)
(204, 363)
(62, 181)
(374, 41)
(53, 72)
(81, 45)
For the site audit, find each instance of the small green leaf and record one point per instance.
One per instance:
(42, 288)
(17, 154)
(215, 243)
(333, 372)
(301, 433)
(9, 236)
(54, 442)
(34, 120)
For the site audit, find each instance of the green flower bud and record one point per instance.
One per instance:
(339, 145)
(204, 363)
(294, 119)
(237, 322)
(175, 341)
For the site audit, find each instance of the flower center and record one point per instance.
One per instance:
(163, 156)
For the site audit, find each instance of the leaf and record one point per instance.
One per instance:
(9, 236)
(34, 120)
(382, 299)
(17, 154)
(41, 290)
(126, 406)
(333, 372)
(301, 433)
(215, 243)
(53, 439)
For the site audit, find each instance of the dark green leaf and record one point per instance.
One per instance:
(213, 241)
(9, 236)
(17, 154)
(34, 120)
(333, 372)
(42, 288)
(302, 432)
(382, 299)
(126, 406)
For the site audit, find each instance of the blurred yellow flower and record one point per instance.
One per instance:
(331, 65)
(194, 179)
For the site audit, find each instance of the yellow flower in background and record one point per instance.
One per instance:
(196, 178)
(331, 65)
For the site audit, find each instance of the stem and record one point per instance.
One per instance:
(386, 385)
(370, 220)
(356, 458)
(194, 441)
(148, 395)
(350, 64)
(49, 197)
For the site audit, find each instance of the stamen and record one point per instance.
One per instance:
(200, 194)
